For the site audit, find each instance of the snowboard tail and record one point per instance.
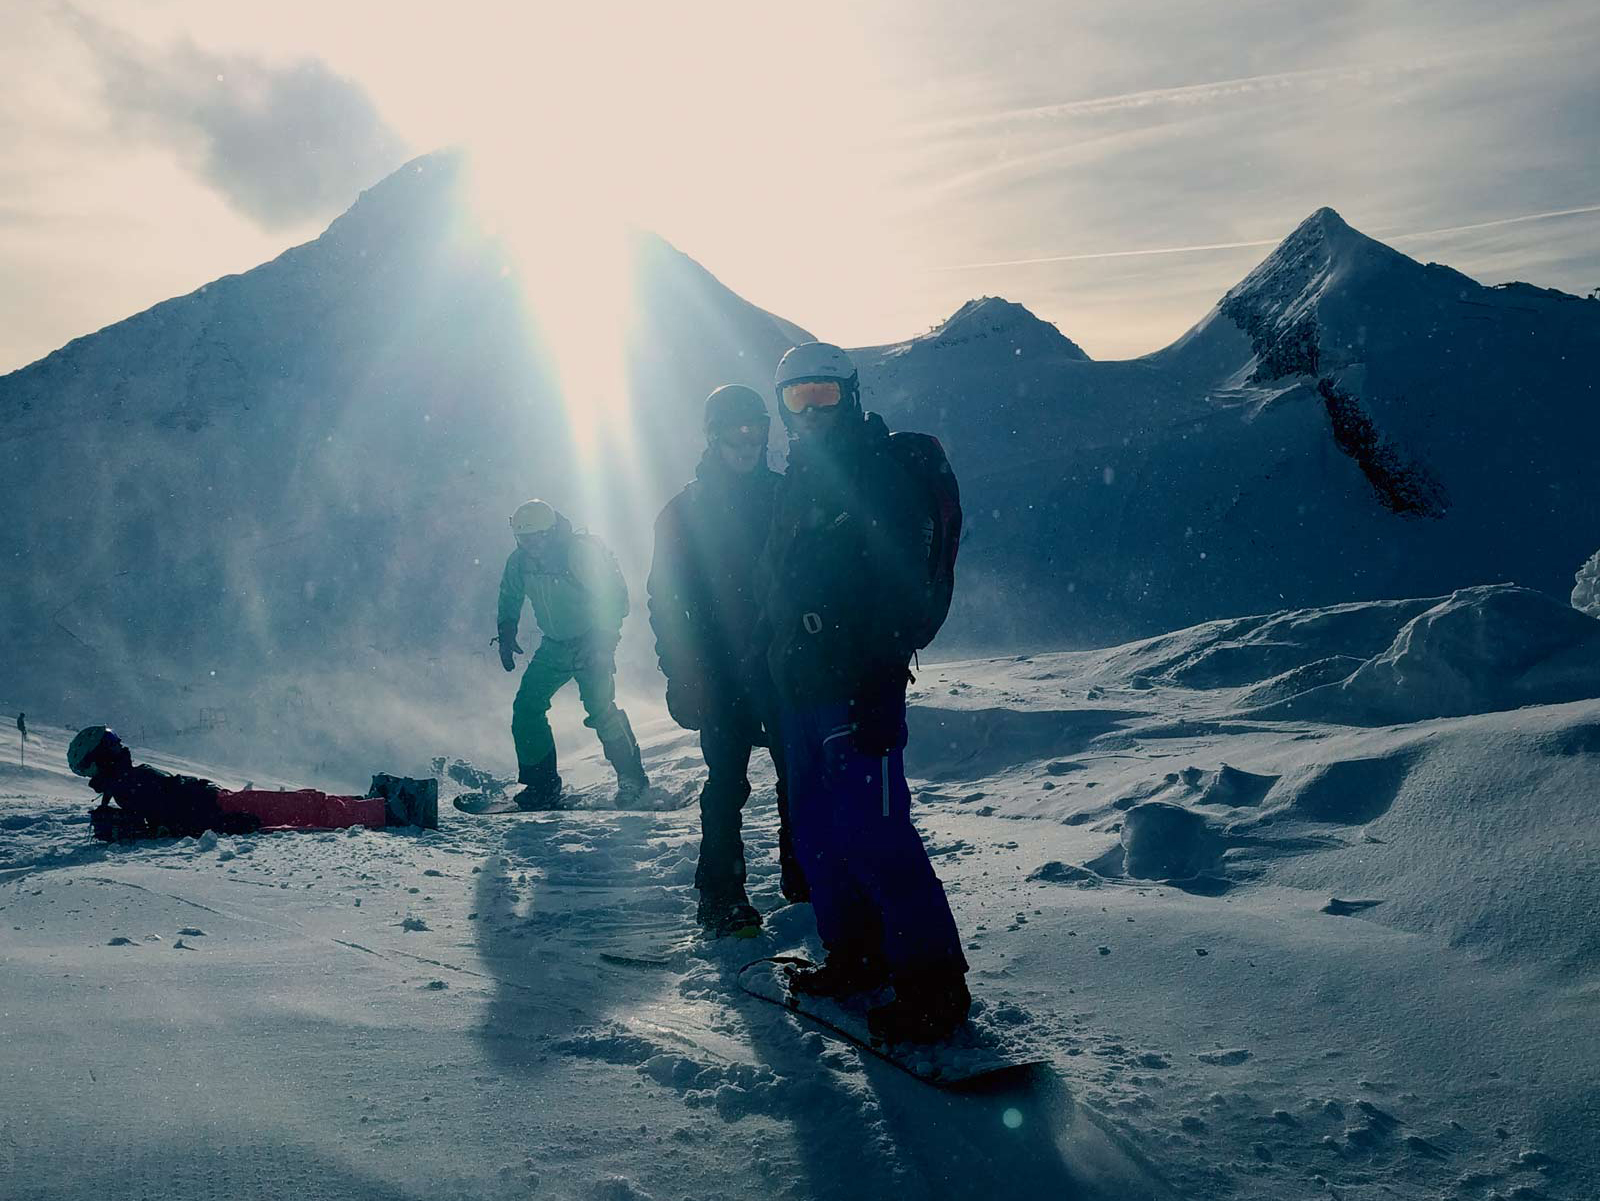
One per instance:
(973, 1058)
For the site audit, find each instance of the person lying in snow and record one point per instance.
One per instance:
(151, 803)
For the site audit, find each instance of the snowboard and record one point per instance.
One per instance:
(598, 797)
(649, 949)
(973, 1058)
(483, 804)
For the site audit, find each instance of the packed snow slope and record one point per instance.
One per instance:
(1346, 424)
(1277, 936)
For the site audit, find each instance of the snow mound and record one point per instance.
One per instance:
(1248, 651)
(1228, 786)
(1586, 587)
(1161, 841)
(1478, 651)
(1342, 791)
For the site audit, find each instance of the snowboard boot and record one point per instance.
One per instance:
(728, 915)
(542, 786)
(407, 802)
(622, 752)
(792, 881)
(928, 1007)
(842, 974)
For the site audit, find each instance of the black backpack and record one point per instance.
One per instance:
(924, 460)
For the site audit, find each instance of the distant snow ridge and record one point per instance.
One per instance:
(1477, 651)
(1586, 588)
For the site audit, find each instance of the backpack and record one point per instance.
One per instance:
(924, 461)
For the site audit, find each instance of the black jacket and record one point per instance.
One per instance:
(184, 805)
(845, 563)
(702, 596)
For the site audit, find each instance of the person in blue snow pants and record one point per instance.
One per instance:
(874, 891)
(844, 583)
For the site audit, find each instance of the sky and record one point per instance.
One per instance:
(859, 168)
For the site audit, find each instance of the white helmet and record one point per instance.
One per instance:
(535, 517)
(818, 362)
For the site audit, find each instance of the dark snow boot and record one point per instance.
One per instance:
(927, 1008)
(542, 789)
(728, 916)
(842, 974)
(622, 752)
(792, 882)
(407, 802)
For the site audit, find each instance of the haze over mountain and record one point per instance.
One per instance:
(305, 469)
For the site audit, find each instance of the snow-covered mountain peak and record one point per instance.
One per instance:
(989, 325)
(1278, 303)
(412, 200)
(994, 316)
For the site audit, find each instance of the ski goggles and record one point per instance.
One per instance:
(811, 394)
(743, 436)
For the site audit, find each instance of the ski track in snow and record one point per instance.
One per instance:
(1334, 1005)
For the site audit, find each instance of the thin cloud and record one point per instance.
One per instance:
(1195, 94)
(283, 143)
(1208, 247)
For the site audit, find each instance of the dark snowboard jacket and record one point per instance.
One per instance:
(182, 805)
(845, 567)
(702, 593)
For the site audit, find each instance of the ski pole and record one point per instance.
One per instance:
(886, 785)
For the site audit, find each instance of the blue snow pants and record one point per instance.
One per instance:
(872, 887)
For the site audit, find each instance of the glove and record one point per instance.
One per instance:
(879, 718)
(686, 703)
(509, 646)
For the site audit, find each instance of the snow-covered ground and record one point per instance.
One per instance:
(1294, 906)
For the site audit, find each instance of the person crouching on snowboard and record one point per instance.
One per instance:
(151, 803)
(703, 612)
(579, 600)
(845, 590)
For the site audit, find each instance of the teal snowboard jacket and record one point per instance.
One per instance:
(576, 589)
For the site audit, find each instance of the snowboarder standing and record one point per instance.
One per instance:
(703, 610)
(151, 803)
(579, 599)
(850, 587)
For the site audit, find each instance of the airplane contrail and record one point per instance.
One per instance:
(1214, 246)
(1194, 93)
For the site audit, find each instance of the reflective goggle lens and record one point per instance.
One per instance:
(812, 394)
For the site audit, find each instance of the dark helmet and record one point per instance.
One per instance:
(93, 749)
(734, 405)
